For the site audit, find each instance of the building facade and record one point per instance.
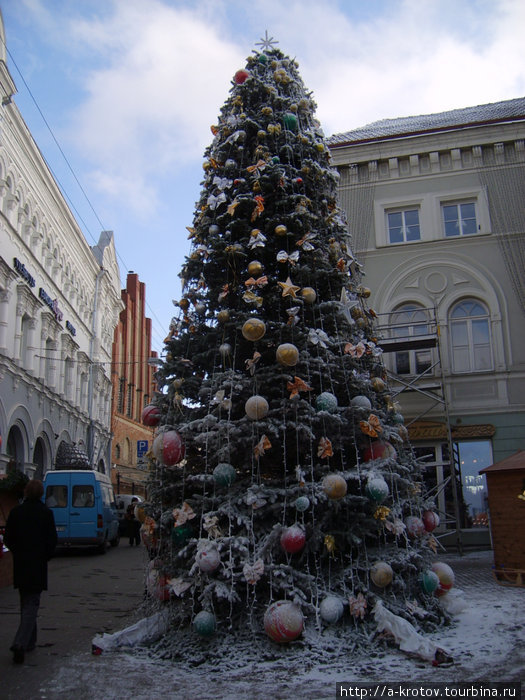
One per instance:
(59, 305)
(436, 209)
(133, 386)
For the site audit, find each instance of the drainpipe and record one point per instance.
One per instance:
(91, 425)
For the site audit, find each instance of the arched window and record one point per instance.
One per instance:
(407, 322)
(470, 337)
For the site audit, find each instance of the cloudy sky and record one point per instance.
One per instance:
(129, 88)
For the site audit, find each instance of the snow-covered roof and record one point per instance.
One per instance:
(497, 112)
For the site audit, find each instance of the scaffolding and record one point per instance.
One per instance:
(418, 343)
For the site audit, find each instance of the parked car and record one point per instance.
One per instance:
(83, 503)
(123, 500)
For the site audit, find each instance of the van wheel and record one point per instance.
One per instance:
(114, 543)
(102, 548)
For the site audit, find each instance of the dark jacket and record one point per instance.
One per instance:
(31, 536)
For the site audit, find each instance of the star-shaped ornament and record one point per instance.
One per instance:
(289, 288)
(267, 42)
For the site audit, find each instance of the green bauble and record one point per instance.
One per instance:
(290, 122)
(326, 402)
(181, 535)
(302, 503)
(224, 474)
(429, 581)
(377, 489)
(204, 624)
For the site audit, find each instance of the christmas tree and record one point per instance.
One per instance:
(284, 496)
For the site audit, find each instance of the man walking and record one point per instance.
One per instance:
(31, 536)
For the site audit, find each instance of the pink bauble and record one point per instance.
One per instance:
(283, 621)
(445, 575)
(414, 526)
(208, 559)
(293, 539)
(241, 76)
(430, 520)
(168, 448)
(381, 449)
(151, 415)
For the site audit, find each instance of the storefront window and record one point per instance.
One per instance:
(473, 456)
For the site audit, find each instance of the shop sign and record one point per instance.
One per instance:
(22, 271)
(52, 303)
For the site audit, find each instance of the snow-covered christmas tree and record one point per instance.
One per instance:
(284, 496)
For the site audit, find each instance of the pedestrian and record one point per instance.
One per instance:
(133, 523)
(30, 534)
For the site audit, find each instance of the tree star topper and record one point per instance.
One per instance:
(267, 42)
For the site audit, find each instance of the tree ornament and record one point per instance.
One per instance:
(331, 609)
(151, 415)
(380, 449)
(208, 559)
(381, 574)
(280, 230)
(290, 121)
(214, 230)
(241, 76)
(361, 402)
(357, 605)
(255, 268)
(429, 581)
(398, 418)
(363, 292)
(309, 295)
(224, 474)
(180, 536)
(377, 489)
(200, 308)
(430, 520)
(225, 350)
(445, 575)
(253, 572)
(256, 407)
(253, 329)
(287, 355)
(168, 448)
(157, 583)
(334, 486)
(205, 624)
(289, 288)
(302, 503)
(293, 539)
(415, 527)
(381, 513)
(283, 621)
(326, 402)
(378, 384)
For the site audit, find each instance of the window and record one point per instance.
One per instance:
(403, 226)
(473, 456)
(470, 337)
(83, 496)
(408, 322)
(121, 388)
(459, 219)
(56, 496)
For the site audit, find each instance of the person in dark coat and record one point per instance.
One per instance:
(30, 534)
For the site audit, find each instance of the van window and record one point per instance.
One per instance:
(108, 498)
(83, 496)
(56, 496)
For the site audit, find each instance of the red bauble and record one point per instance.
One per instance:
(151, 415)
(168, 448)
(293, 539)
(381, 449)
(414, 526)
(283, 621)
(430, 520)
(241, 76)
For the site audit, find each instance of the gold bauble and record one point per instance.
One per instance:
(356, 312)
(377, 384)
(381, 574)
(287, 355)
(334, 486)
(223, 316)
(281, 230)
(364, 292)
(184, 304)
(255, 268)
(254, 329)
(256, 407)
(267, 111)
(177, 382)
(309, 295)
(319, 146)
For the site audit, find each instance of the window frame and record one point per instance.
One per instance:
(460, 219)
(406, 308)
(404, 228)
(471, 345)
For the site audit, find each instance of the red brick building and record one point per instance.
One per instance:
(133, 386)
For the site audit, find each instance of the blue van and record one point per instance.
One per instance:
(84, 507)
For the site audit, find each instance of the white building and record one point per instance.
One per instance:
(436, 208)
(59, 304)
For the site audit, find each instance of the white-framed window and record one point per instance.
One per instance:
(470, 337)
(403, 225)
(459, 218)
(407, 322)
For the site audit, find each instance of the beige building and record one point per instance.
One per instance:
(436, 209)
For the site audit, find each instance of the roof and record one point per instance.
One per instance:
(515, 461)
(493, 113)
